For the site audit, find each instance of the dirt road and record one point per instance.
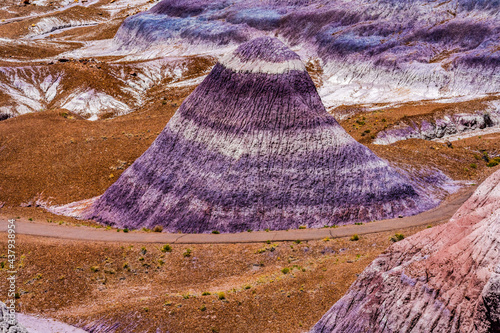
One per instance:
(439, 214)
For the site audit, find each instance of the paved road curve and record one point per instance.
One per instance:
(41, 228)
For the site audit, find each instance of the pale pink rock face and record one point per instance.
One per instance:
(443, 279)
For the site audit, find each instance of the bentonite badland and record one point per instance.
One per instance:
(444, 279)
(254, 148)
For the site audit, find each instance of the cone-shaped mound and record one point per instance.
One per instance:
(254, 148)
(443, 279)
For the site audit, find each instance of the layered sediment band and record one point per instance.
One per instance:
(260, 66)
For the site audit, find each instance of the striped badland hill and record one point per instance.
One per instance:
(253, 148)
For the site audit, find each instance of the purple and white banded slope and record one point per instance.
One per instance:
(443, 279)
(254, 148)
(371, 51)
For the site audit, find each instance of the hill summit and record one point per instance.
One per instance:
(254, 148)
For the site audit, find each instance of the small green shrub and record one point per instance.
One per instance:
(203, 308)
(206, 293)
(166, 248)
(397, 238)
(493, 162)
(473, 166)
(215, 232)
(125, 230)
(285, 270)
(354, 237)
(221, 295)
(187, 253)
(158, 228)
(94, 269)
(297, 241)
(302, 227)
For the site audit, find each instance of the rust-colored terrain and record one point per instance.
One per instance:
(253, 287)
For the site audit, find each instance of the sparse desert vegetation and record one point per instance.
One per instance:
(107, 282)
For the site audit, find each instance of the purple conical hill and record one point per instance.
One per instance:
(254, 148)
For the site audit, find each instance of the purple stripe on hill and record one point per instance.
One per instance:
(240, 102)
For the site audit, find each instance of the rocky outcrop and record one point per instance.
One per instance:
(7, 325)
(254, 148)
(449, 127)
(36, 88)
(443, 279)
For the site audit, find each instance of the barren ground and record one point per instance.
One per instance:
(141, 288)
